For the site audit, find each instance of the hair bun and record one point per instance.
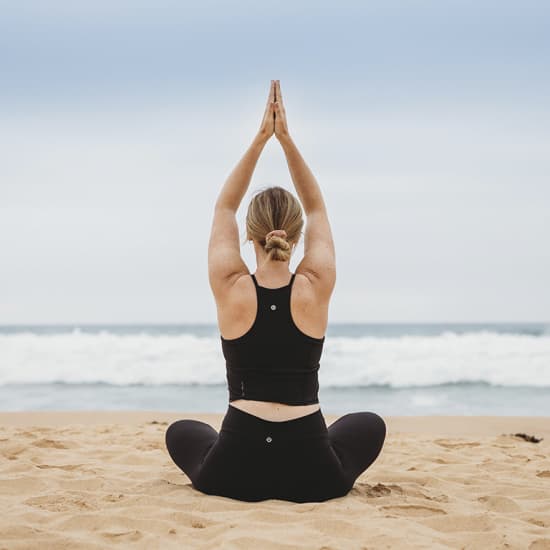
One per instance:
(276, 239)
(276, 242)
(276, 233)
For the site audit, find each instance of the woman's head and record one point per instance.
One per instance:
(270, 209)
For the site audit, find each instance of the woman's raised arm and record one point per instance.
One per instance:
(306, 185)
(319, 260)
(224, 250)
(237, 183)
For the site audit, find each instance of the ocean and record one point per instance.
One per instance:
(391, 369)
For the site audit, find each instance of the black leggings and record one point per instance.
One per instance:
(299, 460)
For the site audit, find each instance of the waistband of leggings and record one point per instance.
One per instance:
(236, 420)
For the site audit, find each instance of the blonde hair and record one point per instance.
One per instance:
(274, 208)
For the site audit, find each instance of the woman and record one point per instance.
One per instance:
(273, 441)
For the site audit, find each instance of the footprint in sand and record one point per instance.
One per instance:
(113, 498)
(417, 493)
(448, 444)
(198, 525)
(544, 522)
(413, 510)
(66, 467)
(378, 490)
(11, 452)
(497, 503)
(133, 535)
(59, 503)
(49, 444)
(544, 473)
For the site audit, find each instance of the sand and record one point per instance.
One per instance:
(104, 479)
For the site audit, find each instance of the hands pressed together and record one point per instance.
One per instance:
(274, 120)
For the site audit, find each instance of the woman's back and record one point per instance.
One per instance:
(273, 363)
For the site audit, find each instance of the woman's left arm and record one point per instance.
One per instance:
(235, 187)
(224, 249)
(237, 183)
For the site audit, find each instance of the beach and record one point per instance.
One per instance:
(97, 479)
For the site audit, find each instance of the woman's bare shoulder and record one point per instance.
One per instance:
(233, 288)
(320, 286)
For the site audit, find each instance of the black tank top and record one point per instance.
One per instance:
(274, 360)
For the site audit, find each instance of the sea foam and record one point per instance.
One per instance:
(153, 359)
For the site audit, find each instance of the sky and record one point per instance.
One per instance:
(426, 124)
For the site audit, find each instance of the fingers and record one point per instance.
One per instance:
(278, 91)
(271, 97)
(270, 100)
(267, 126)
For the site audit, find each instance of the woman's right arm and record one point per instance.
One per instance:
(319, 261)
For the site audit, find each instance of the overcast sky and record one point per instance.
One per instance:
(426, 123)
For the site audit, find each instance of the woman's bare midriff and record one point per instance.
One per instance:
(274, 412)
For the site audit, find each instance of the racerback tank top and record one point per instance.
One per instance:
(274, 360)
